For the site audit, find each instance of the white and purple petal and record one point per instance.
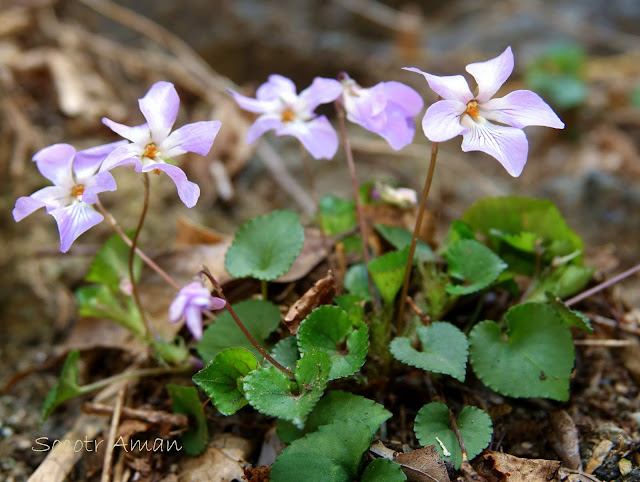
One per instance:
(126, 155)
(450, 87)
(399, 129)
(26, 205)
(74, 220)
(196, 137)
(275, 87)
(490, 75)
(160, 107)
(193, 320)
(404, 96)
(520, 109)
(88, 161)
(263, 124)
(441, 122)
(507, 144)
(256, 106)
(321, 91)
(317, 136)
(188, 191)
(101, 182)
(55, 163)
(139, 134)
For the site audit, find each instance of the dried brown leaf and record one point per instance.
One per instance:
(500, 467)
(565, 439)
(322, 292)
(423, 465)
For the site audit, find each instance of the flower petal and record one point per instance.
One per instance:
(160, 107)
(188, 191)
(193, 320)
(53, 197)
(275, 87)
(255, 105)
(74, 220)
(399, 129)
(490, 75)
(521, 108)
(54, 163)
(441, 122)
(101, 182)
(404, 96)
(317, 136)
(25, 205)
(321, 91)
(449, 87)
(197, 137)
(263, 124)
(507, 144)
(176, 308)
(87, 162)
(128, 154)
(217, 303)
(139, 134)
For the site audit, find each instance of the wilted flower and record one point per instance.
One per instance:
(190, 303)
(402, 197)
(76, 185)
(386, 109)
(291, 114)
(490, 125)
(153, 144)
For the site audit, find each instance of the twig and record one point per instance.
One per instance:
(605, 343)
(115, 422)
(603, 285)
(127, 413)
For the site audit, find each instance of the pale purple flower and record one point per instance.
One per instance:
(153, 146)
(190, 303)
(489, 125)
(288, 113)
(76, 185)
(386, 109)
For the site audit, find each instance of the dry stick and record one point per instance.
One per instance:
(603, 285)
(115, 422)
(205, 271)
(416, 230)
(359, 213)
(152, 264)
(143, 372)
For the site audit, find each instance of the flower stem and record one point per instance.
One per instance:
(263, 289)
(416, 231)
(603, 285)
(359, 213)
(205, 271)
(149, 262)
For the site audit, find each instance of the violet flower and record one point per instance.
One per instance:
(153, 145)
(190, 303)
(386, 109)
(291, 114)
(76, 185)
(490, 125)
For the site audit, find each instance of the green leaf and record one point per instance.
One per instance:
(571, 317)
(458, 231)
(533, 359)
(474, 264)
(187, 402)
(355, 281)
(400, 238)
(111, 264)
(266, 246)
(354, 306)
(562, 282)
(383, 469)
(523, 241)
(66, 387)
(337, 215)
(329, 328)
(286, 352)
(433, 427)
(387, 272)
(221, 379)
(444, 350)
(337, 405)
(332, 454)
(271, 392)
(99, 301)
(260, 317)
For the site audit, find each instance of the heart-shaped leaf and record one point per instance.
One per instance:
(187, 402)
(433, 427)
(260, 317)
(474, 264)
(66, 387)
(271, 392)
(332, 454)
(444, 350)
(330, 329)
(387, 272)
(534, 358)
(221, 379)
(569, 316)
(383, 469)
(266, 246)
(286, 352)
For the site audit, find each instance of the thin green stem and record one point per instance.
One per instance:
(144, 372)
(356, 194)
(205, 271)
(414, 238)
(148, 261)
(263, 289)
(603, 285)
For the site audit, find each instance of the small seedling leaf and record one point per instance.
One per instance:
(562, 282)
(66, 386)
(387, 272)
(271, 392)
(99, 301)
(266, 246)
(355, 281)
(260, 317)
(400, 238)
(474, 264)
(111, 265)
(383, 469)
(329, 328)
(333, 453)
(534, 358)
(433, 427)
(222, 378)
(571, 317)
(187, 402)
(286, 352)
(444, 350)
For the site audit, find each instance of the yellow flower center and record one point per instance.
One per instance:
(150, 151)
(288, 115)
(472, 109)
(77, 190)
